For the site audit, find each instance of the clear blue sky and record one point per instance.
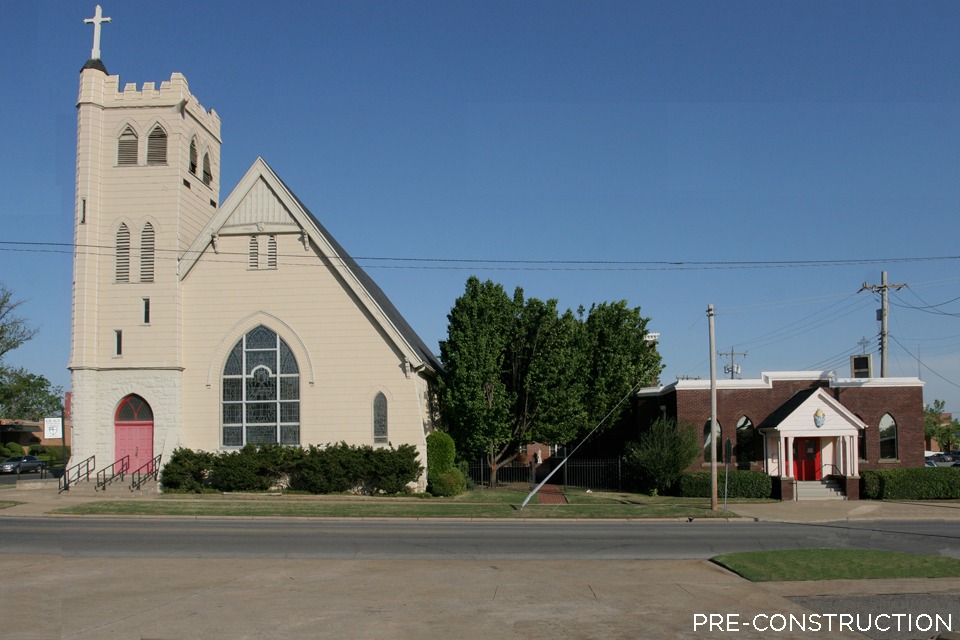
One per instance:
(655, 135)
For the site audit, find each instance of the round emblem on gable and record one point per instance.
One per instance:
(819, 418)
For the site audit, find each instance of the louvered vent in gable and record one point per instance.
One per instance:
(193, 156)
(127, 148)
(207, 173)
(123, 254)
(272, 252)
(253, 255)
(147, 246)
(157, 146)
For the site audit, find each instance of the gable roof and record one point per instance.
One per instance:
(285, 209)
(792, 416)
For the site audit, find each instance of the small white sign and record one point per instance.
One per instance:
(52, 428)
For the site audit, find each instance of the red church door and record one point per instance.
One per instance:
(133, 429)
(806, 459)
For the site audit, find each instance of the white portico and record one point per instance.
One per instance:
(812, 436)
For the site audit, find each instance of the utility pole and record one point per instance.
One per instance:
(884, 313)
(732, 368)
(713, 412)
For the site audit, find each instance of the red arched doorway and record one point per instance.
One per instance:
(133, 429)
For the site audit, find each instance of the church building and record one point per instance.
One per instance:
(212, 324)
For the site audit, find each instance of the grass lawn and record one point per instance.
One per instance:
(8, 503)
(479, 503)
(835, 564)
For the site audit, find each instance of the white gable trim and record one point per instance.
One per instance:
(313, 237)
(838, 420)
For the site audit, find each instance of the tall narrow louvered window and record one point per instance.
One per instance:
(272, 252)
(253, 253)
(147, 245)
(380, 419)
(123, 254)
(207, 173)
(193, 156)
(157, 146)
(127, 148)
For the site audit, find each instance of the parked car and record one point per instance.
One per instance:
(941, 457)
(956, 464)
(22, 464)
(930, 463)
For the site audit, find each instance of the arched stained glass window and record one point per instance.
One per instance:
(888, 438)
(380, 419)
(133, 408)
(261, 392)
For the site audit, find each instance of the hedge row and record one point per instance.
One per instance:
(53, 454)
(925, 483)
(743, 484)
(335, 468)
(443, 478)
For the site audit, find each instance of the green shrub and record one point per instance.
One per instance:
(447, 483)
(441, 452)
(664, 450)
(186, 471)
(391, 470)
(925, 483)
(15, 448)
(743, 484)
(243, 470)
(333, 469)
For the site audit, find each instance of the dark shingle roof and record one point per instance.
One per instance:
(788, 407)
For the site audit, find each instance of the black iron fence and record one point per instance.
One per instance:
(603, 474)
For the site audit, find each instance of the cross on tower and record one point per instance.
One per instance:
(96, 21)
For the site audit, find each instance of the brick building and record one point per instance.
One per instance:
(801, 426)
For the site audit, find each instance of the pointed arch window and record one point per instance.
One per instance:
(122, 270)
(253, 253)
(888, 438)
(706, 441)
(207, 173)
(127, 148)
(133, 408)
(261, 392)
(157, 146)
(380, 419)
(147, 247)
(193, 156)
(749, 443)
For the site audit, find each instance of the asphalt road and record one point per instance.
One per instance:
(401, 539)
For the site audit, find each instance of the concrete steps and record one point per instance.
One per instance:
(827, 489)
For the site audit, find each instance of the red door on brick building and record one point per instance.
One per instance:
(806, 459)
(133, 429)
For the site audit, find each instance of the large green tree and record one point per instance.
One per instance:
(23, 395)
(517, 370)
(26, 396)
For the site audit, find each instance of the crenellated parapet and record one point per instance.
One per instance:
(104, 91)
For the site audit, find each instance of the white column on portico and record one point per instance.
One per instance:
(788, 451)
(854, 456)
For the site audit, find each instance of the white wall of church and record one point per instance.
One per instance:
(344, 359)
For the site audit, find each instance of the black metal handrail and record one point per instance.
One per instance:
(147, 470)
(82, 470)
(116, 470)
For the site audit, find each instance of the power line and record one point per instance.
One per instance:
(540, 265)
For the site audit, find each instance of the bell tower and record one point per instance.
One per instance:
(148, 180)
